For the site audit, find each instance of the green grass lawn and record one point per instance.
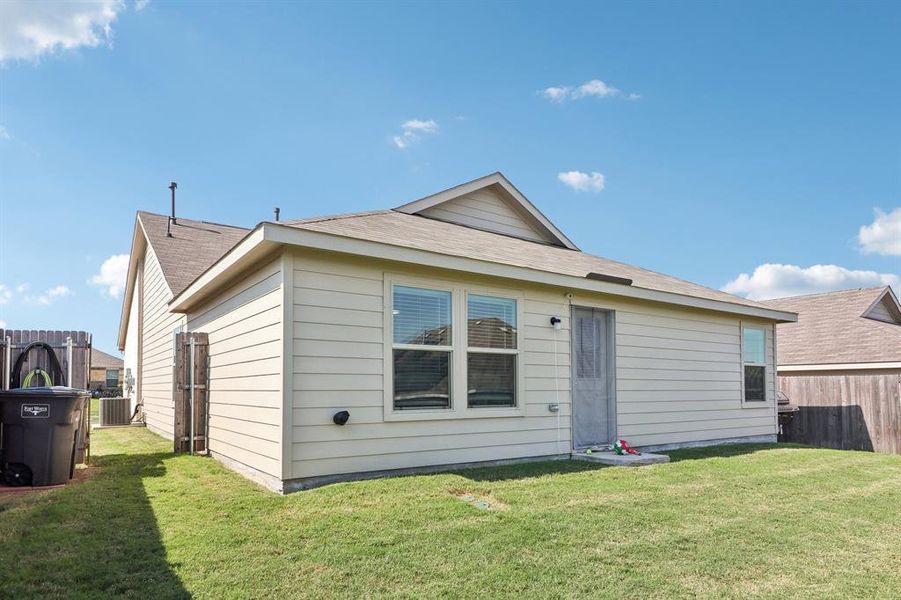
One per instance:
(747, 521)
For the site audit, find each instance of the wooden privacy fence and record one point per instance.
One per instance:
(73, 351)
(75, 362)
(191, 383)
(844, 411)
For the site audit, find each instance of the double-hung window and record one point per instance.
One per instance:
(754, 362)
(492, 349)
(112, 378)
(422, 348)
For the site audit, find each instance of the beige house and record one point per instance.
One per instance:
(106, 371)
(460, 328)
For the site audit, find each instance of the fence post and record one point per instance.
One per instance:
(69, 361)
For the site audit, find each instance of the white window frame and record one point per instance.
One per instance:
(767, 398)
(459, 349)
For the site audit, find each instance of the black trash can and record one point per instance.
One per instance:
(39, 429)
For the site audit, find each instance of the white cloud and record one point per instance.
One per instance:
(6, 294)
(777, 281)
(883, 235)
(5, 134)
(2, 324)
(50, 296)
(557, 94)
(593, 88)
(112, 275)
(141, 4)
(583, 182)
(29, 29)
(23, 287)
(412, 132)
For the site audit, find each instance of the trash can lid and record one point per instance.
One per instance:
(57, 391)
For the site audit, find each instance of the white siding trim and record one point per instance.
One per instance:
(287, 381)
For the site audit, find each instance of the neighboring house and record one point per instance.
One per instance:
(461, 328)
(841, 364)
(107, 372)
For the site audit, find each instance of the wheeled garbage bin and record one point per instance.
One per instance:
(39, 432)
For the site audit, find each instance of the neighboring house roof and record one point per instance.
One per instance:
(844, 327)
(102, 360)
(193, 247)
(413, 231)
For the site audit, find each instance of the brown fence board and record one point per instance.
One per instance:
(182, 392)
(848, 411)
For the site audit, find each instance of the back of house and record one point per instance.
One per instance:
(462, 328)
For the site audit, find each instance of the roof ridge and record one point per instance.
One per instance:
(153, 214)
(834, 292)
(335, 217)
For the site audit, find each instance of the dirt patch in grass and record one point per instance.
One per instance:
(480, 500)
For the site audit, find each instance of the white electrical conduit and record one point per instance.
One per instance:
(557, 370)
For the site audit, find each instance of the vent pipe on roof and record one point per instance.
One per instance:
(277, 212)
(172, 186)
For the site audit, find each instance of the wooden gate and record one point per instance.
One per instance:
(191, 380)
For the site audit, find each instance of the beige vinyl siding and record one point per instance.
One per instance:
(158, 328)
(245, 331)
(679, 376)
(485, 210)
(338, 364)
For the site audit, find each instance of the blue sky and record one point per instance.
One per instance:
(703, 140)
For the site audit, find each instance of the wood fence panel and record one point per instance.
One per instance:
(845, 411)
(182, 391)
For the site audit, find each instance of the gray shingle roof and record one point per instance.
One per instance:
(418, 232)
(831, 329)
(192, 249)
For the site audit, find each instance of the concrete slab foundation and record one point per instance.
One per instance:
(625, 460)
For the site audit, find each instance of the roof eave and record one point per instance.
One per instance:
(266, 235)
(138, 242)
(241, 256)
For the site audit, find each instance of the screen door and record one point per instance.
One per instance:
(593, 387)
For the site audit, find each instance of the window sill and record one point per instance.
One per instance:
(451, 414)
(757, 403)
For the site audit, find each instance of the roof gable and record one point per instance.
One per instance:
(192, 248)
(885, 308)
(490, 203)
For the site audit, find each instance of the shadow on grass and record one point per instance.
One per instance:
(94, 538)
(528, 470)
(726, 451)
